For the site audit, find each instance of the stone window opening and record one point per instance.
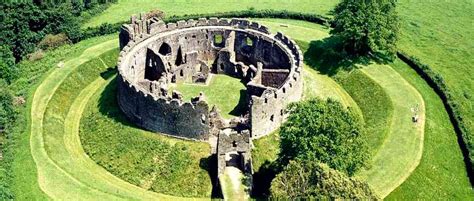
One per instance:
(234, 144)
(181, 73)
(266, 100)
(276, 95)
(165, 49)
(218, 40)
(284, 90)
(272, 118)
(173, 79)
(249, 42)
(281, 112)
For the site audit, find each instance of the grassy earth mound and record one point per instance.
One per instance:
(153, 162)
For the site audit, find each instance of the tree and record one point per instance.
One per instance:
(308, 180)
(7, 64)
(367, 27)
(324, 131)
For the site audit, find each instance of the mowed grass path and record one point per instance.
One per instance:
(402, 149)
(441, 174)
(74, 176)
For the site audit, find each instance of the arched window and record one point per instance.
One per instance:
(165, 49)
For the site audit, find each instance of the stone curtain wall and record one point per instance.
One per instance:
(187, 51)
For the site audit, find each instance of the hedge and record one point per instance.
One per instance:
(436, 81)
(113, 28)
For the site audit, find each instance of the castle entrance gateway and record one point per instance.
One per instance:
(155, 55)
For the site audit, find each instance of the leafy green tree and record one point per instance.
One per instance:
(324, 131)
(309, 180)
(367, 27)
(7, 64)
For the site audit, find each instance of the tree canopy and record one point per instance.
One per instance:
(367, 27)
(7, 64)
(324, 131)
(313, 180)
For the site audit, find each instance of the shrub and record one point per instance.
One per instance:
(324, 131)
(155, 13)
(309, 180)
(35, 56)
(51, 41)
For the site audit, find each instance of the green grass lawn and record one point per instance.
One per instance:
(441, 174)
(440, 33)
(125, 8)
(223, 91)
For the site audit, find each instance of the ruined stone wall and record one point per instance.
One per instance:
(165, 115)
(188, 51)
(269, 108)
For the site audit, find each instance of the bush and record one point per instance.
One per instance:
(309, 180)
(324, 131)
(155, 13)
(35, 56)
(51, 41)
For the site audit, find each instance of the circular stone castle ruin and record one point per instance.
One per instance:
(154, 54)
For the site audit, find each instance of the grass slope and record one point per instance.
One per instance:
(71, 173)
(161, 164)
(226, 92)
(374, 102)
(25, 184)
(125, 8)
(441, 174)
(401, 151)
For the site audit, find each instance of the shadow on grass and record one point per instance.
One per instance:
(262, 179)
(209, 164)
(108, 104)
(328, 56)
(242, 107)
